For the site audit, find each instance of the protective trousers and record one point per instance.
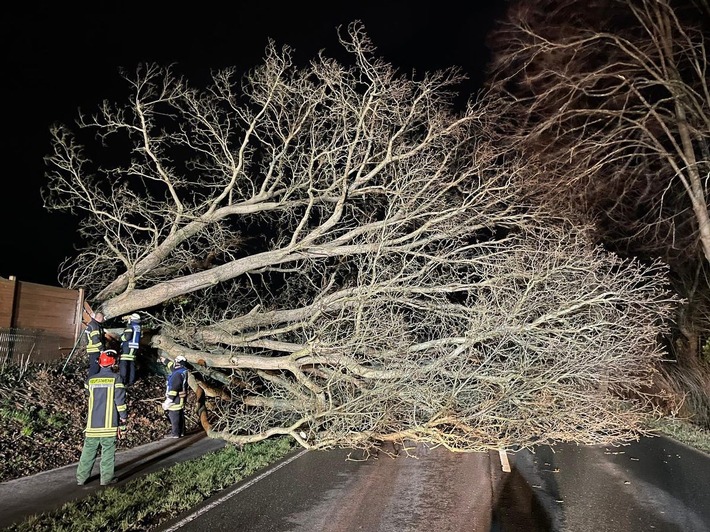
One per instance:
(177, 422)
(127, 370)
(88, 457)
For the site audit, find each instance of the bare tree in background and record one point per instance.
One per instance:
(626, 110)
(342, 258)
(611, 100)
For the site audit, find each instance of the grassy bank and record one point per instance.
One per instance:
(147, 502)
(684, 432)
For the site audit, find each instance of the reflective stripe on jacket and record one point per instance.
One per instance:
(94, 337)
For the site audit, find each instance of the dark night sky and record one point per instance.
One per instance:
(59, 59)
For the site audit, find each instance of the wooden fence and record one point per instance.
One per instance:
(38, 323)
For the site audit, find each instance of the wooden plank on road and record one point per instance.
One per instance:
(504, 460)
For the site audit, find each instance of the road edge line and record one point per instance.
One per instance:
(229, 495)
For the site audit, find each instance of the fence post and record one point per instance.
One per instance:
(13, 301)
(79, 315)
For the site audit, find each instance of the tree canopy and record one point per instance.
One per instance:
(344, 258)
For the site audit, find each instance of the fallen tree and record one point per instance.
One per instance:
(341, 258)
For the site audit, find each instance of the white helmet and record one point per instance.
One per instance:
(180, 359)
(135, 317)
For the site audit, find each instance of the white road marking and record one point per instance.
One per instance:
(219, 501)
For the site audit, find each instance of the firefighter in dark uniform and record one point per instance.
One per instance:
(175, 396)
(95, 341)
(130, 342)
(107, 417)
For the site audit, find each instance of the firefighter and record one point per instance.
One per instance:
(106, 420)
(130, 343)
(175, 396)
(95, 341)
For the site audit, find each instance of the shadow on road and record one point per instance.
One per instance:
(518, 508)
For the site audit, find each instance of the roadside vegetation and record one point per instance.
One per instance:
(144, 503)
(43, 414)
(685, 432)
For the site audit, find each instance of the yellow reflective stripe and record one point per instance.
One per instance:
(100, 433)
(179, 405)
(109, 408)
(94, 341)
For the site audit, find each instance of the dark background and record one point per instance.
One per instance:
(61, 58)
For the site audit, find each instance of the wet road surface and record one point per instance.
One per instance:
(652, 485)
(335, 491)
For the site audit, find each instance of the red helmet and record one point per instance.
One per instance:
(107, 358)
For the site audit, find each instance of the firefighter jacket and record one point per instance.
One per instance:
(94, 338)
(176, 391)
(130, 341)
(107, 404)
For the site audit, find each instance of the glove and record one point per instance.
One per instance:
(122, 429)
(167, 404)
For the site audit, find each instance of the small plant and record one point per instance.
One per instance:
(52, 419)
(14, 415)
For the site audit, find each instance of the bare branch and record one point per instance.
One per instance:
(348, 258)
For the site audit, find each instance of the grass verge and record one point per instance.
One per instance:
(684, 432)
(147, 502)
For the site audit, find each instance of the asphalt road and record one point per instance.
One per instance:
(655, 484)
(652, 485)
(338, 491)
